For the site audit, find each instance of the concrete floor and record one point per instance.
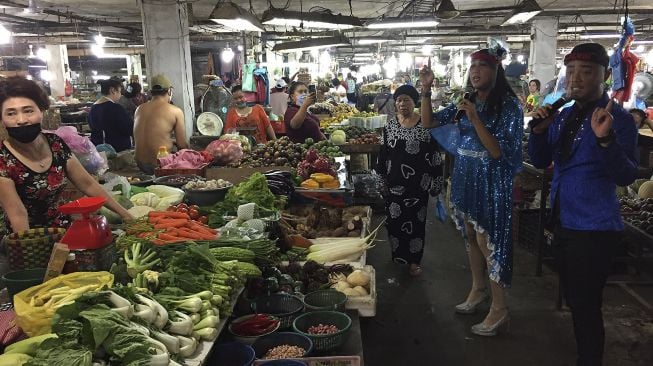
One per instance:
(415, 323)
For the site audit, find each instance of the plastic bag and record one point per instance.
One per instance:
(36, 320)
(440, 210)
(225, 152)
(114, 180)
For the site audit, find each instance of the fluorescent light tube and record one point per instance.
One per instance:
(523, 13)
(396, 23)
(233, 16)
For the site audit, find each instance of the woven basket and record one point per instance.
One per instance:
(324, 342)
(283, 306)
(31, 248)
(325, 300)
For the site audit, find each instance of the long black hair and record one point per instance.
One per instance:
(499, 92)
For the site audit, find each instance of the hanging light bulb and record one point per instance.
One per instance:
(43, 54)
(227, 54)
(31, 52)
(520, 58)
(97, 50)
(390, 66)
(426, 50)
(405, 61)
(5, 35)
(100, 40)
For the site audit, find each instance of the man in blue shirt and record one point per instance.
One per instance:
(592, 144)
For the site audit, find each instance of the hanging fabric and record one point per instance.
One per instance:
(249, 84)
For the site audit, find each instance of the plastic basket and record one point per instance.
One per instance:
(262, 345)
(324, 342)
(322, 361)
(31, 248)
(325, 300)
(233, 354)
(283, 306)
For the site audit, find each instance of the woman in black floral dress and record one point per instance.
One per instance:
(411, 167)
(35, 166)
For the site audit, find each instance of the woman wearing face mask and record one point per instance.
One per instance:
(300, 124)
(488, 155)
(34, 166)
(240, 115)
(108, 120)
(411, 168)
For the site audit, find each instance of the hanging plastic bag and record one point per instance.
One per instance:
(115, 182)
(440, 210)
(34, 311)
(225, 152)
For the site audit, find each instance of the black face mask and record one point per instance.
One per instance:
(25, 134)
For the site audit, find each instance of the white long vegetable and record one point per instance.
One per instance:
(330, 255)
(343, 244)
(183, 325)
(145, 313)
(187, 346)
(171, 342)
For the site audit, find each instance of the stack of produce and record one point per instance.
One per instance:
(322, 108)
(245, 145)
(177, 224)
(340, 113)
(280, 182)
(353, 132)
(296, 278)
(327, 148)
(370, 138)
(252, 190)
(280, 152)
(321, 180)
(155, 197)
(314, 163)
(639, 213)
(325, 221)
(345, 250)
(357, 283)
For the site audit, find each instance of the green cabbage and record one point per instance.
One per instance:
(145, 199)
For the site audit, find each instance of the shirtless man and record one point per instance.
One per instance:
(154, 123)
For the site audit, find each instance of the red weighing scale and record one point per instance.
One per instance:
(89, 231)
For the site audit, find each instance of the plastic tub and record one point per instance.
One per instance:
(205, 197)
(18, 281)
(233, 354)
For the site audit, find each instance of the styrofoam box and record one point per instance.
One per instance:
(366, 305)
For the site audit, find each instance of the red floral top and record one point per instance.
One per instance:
(40, 192)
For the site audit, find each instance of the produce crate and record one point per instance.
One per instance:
(323, 361)
(366, 305)
(160, 172)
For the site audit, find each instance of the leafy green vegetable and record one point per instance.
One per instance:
(56, 352)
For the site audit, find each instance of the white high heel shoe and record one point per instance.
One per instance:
(470, 307)
(492, 330)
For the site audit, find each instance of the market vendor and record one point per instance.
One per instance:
(35, 166)
(155, 122)
(241, 115)
(592, 144)
(109, 121)
(300, 124)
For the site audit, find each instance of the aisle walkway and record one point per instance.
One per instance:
(415, 324)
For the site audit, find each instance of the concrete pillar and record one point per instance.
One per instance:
(134, 67)
(542, 60)
(58, 68)
(167, 50)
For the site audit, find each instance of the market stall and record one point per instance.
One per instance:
(223, 258)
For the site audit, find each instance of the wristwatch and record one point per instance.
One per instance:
(607, 138)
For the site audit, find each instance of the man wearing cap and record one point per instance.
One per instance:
(592, 144)
(155, 121)
(279, 98)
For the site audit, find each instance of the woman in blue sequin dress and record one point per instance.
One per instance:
(488, 155)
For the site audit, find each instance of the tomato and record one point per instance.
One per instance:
(182, 210)
(182, 205)
(193, 213)
(194, 207)
(203, 219)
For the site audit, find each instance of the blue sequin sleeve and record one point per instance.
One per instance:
(509, 134)
(446, 115)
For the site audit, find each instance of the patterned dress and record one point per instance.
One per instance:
(411, 166)
(481, 187)
(39, 192)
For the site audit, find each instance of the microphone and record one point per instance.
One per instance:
(554, 107)
(460, 113)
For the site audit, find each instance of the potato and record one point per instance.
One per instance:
(354, 234)
(339, 232)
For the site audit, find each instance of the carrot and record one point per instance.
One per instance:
(168, 214)
(164, 224)
(188, 234)
(144, 235)
(171, 238)
(196, 227)
(203, 234)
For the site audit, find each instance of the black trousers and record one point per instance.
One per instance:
(584, 259)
